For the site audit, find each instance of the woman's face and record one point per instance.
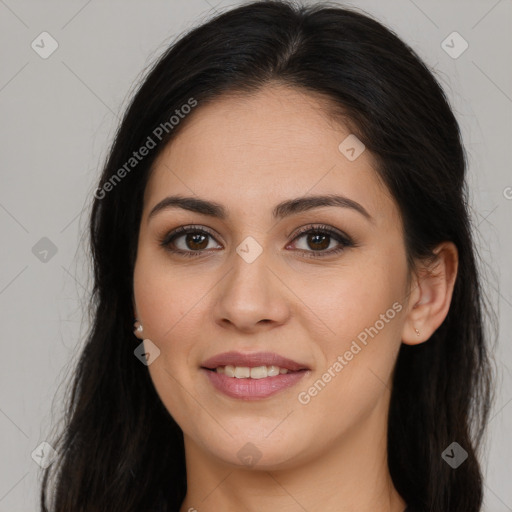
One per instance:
(251, 283)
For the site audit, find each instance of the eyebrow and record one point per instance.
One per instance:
(283, 209)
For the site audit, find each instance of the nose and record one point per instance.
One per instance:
(252, 296)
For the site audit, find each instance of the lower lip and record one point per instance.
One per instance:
(253, 389)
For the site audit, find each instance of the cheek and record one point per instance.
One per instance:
(165, 303)
(351, 298)
(163, 295)
(171, 302)
(363, 309)
(357, 361)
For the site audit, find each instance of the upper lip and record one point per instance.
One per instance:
(251, 360)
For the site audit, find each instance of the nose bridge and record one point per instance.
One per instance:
(251, 292)
(250, 268)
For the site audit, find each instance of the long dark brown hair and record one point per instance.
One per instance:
(120, 449)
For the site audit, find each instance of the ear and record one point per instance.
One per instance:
(431, 294)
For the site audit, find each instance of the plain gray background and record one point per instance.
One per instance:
(58, 116)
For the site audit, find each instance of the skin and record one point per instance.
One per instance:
(330, 454)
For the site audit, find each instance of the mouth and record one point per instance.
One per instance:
(254, 372)
(256, 365)
(252, 376)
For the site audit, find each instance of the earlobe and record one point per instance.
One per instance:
(138, 330)
(431, 302)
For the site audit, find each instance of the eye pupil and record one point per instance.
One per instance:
(316, 236)
(193, 237)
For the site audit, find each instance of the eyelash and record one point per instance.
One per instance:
(322, 229)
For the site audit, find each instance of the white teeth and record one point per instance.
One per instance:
(229, 370)
(272, 371)
(244, 372)
(259, 372)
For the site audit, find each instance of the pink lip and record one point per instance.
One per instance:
(252, 389)
(252, 360)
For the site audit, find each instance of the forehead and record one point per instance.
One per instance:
(256, 150)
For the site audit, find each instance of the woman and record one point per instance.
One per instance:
(287, 308)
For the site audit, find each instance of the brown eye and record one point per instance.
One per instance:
(318, 239)
(188, 241)
(196, 241)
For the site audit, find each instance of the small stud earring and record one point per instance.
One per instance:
(417, 332)
(138, 326)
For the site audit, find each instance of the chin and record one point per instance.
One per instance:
(258, 454)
